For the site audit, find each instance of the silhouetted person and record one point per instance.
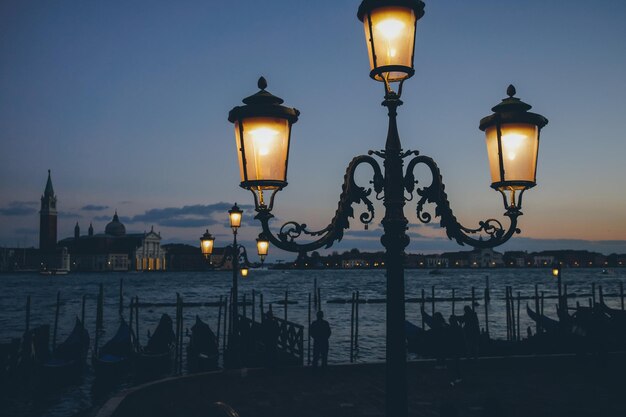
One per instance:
(471, 330)
(439, 332)
(320, 332)
(271, 332)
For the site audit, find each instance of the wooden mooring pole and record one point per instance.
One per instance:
(56, 320)
(519, 300)
(286, 302)
(99, 309)
(423, 306)
(308, 342)
(253, 305)
(121, 308)
(473, 299)
(453, 304)
(219, 321)
(538, 326)
(432, 299)
(621, 293)
(356, 324)
(82, 311)
(593, 294)
(28, 311)
(352, 328)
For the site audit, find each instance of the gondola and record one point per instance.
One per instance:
(202, 351)
(115, 358)
(69, 357)
(156, 357)
(548, 324)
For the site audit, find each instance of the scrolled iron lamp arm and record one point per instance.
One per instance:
(435, 193)
(229, 254)
(351, 194)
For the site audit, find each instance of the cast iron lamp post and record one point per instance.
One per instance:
(238, 256)
(263, 134)
(556, 273)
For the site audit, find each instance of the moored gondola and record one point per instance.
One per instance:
(546, 323)
(69, 357)
(156, 357)
(115, 358)
(202, 351)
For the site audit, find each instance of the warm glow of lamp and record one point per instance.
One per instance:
(234, 215)
(206, 244)
(244, 271)
(390, 35)
(519, 146)
(262, 246)
(262, 134)
(512, 137)
(556, 271)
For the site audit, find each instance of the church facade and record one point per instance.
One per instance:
(115, 250)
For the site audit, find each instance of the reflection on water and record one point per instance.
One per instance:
(208, 287)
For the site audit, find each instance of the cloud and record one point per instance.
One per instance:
(107, 218)
(19, 208)
(67, 215)
(94, 207)
(194, 216)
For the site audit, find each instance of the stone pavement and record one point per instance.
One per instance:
(550, 386)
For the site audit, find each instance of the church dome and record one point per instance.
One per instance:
(115, 227)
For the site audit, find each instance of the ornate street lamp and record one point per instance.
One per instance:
(237, 255)
(512, 134)
(263, 132)
(512, 143)
(207, 242)
(262, 246)
(390, 35)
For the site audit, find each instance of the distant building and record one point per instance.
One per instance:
(115, 250)
(51, 256)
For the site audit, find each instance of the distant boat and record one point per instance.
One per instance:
(53, 272)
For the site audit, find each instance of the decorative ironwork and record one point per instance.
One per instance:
(435, 193)
(230, 252)
(351, 193)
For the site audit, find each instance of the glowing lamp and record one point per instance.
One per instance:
(556, 271)
(244, 271)
(206, 244)
(512, 135)
(262, 246)
(390, 36)
(262, 134)
(234, 215)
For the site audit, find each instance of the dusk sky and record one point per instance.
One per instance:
(127, 104)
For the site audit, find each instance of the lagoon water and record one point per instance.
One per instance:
(196, 287)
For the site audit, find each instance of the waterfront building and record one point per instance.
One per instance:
(115, 250)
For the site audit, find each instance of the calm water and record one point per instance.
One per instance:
(207, 287)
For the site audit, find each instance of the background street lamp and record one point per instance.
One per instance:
(263, 134)
(239, 259)
(556, 272)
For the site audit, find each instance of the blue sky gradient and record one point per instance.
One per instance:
(126, 103)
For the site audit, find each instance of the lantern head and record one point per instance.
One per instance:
(244, 271)
(263, 133)
(262, 246)
(206, 244)
(390, 36)
(234, 216)
(512, 135)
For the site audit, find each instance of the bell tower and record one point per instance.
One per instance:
(48, 219)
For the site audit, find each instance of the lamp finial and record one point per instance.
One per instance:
(510, 91)
(262, 83)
